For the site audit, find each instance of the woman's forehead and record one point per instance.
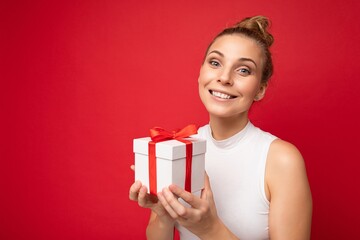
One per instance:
(237, 46)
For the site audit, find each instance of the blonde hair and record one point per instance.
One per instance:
(255, 28)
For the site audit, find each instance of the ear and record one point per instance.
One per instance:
(261, 93)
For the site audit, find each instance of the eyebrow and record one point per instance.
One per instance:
(240, 59)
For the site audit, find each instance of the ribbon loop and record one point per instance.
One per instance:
(159, 134)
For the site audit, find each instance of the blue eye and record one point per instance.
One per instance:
(214, 63)
(244, 71)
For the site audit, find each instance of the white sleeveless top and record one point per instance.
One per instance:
(236, 168)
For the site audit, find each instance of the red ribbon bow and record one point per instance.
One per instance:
(159, 134)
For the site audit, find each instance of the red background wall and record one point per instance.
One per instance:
(81, 79)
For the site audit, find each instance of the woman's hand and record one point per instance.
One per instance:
(201, 218)
(138, 193)
(161, 225)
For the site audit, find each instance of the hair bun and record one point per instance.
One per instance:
(259, 25)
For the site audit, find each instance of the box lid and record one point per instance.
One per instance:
(171, 149)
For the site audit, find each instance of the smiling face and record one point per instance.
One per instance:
(230, 77)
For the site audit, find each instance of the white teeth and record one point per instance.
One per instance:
(220, 95)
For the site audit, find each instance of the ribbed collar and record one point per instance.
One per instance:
(231, 141)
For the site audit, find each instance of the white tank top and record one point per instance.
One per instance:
(236, 168)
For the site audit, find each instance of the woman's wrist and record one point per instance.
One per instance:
(163, 221)
(160, 227)
(218, 231)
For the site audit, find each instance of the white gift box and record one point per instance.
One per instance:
(170, 163)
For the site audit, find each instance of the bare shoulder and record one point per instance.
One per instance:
(285, 168)
(283, 154)
(284, 149)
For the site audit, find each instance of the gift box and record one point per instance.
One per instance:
(172, 165)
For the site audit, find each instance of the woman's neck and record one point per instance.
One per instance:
(223, 128)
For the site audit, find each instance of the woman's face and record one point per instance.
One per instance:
(230, 77)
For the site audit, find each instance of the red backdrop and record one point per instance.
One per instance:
(81, 79)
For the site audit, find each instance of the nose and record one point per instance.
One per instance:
(225, 77)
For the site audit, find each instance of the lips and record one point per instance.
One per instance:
(221, 95)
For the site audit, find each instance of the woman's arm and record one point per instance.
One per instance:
(289, 193)
(161, 225)
(159, 228)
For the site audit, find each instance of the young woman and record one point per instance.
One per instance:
(256, 185)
